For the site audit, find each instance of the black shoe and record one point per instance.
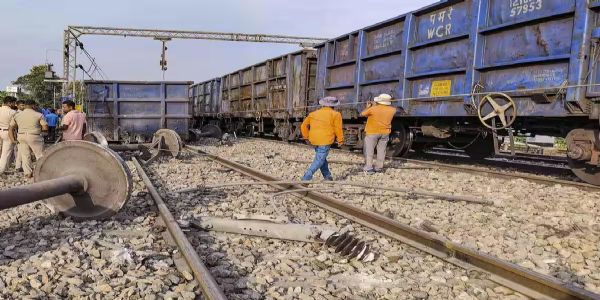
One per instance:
(369, 172)
(328, 178)
(19, 170)
(379, 170)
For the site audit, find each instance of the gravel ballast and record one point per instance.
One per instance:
(554, 230)
(47, 256)
(249, 267)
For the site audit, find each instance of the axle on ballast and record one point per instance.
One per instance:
(70, 184)
(80, 179)
(163, 141)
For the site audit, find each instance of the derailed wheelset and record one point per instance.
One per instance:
(164, 141)
(79, 179)
(87, 180)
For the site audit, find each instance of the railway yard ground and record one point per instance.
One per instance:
(554, 230)
(46, 256)
(550, 229)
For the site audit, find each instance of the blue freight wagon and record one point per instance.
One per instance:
(132, 111)
(463, 71)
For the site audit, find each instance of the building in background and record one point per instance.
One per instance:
(15, 90)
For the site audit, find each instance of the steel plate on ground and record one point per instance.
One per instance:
(108, 179)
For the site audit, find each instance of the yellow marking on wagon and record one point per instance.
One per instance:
(441, 88)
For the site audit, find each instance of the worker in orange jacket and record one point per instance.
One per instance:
(321, 128)
(378, 129)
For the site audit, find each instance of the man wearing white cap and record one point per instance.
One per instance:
(321, 128)
(378, 129)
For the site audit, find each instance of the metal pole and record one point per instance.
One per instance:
(74, 69)
(20, 195)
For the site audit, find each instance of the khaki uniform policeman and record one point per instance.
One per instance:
(6, 116)
(18, 165)
(30, 124)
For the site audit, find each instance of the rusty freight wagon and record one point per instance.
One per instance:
(205, 98)
(267, 98)
(464, 71)
(132, 111)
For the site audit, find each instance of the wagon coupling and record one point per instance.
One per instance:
(490, 108)
(80, 179)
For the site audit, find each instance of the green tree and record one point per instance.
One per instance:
(3, 94)
(35, 87)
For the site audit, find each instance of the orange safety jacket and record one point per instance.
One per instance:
(379, 119)
(322, 127)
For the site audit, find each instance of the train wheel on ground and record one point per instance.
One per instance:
(108, 181)
(482, 147)
(211, 130)
(166, 140)
(400, 142)
(583, 154)
(96, 138)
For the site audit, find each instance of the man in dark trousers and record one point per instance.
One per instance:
(52, 120)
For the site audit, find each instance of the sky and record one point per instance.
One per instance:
(32, 30)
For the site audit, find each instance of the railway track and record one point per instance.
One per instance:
(318, 273)
(402, 262)
(509, 229)
(208, 284)
(44, 255)
(547, 180)
(515, 277)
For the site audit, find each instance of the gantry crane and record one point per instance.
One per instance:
(72, 34)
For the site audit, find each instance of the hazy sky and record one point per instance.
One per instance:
(32, 28)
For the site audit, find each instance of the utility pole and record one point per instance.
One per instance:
(163, 55)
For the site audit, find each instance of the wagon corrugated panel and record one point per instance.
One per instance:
(543, 53)
(130, 111)
(276, 88)
(205, 97)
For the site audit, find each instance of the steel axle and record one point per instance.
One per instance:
(163, 141)
(70, 184)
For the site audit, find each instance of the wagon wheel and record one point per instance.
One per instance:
(400, 143)
(489, 108)
(578, 142)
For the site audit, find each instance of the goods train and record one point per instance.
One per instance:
(462, 73)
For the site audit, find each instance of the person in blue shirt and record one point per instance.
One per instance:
(52, 120)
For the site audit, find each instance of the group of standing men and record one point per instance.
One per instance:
(323, 127)
(25, 126)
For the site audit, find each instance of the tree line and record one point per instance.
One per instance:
(34, 87)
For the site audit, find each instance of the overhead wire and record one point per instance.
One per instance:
(86, 71)
(92, 59)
